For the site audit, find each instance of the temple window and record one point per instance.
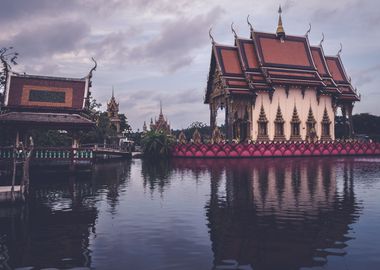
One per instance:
(325, 126)
(262, 126)
(295, 134)
(311, 134)
(279, 126)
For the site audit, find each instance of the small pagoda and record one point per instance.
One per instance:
(161, 124)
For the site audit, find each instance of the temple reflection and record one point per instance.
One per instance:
(278, 214)
(54, 227)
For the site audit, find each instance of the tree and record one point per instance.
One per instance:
(7, 57)
(157, 144)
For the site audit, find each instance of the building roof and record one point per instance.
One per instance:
(35, 93)
(56, 120)
(266, 60)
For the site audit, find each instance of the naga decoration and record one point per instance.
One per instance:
(182, 138)
(250, 25)
(322, 40)
(340, 50)
(210, 35)
(308, 31)
(216, 136)
(233, 30)
(197, 137)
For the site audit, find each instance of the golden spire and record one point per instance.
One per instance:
(280, 29)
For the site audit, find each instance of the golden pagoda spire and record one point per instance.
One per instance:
(280, 29)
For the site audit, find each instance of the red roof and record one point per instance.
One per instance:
(229, 60)
(47, 93)
(264, 60)
(319, 61)
(336, 69)
(292, 52)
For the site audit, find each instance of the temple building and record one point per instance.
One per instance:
(113, 113)
(161, 124)
(278, 87)
(45, 102)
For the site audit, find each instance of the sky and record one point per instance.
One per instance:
(152, 50)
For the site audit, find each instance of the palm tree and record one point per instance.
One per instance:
(157, 144)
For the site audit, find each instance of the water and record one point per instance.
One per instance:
(200, 214)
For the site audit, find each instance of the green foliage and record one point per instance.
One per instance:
(156, 144)
(368, 124)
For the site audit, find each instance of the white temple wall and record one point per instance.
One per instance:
(287, 105)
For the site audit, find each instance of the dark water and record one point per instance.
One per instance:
(200, 214)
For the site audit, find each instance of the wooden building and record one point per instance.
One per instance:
(274, 86)
(56, 103)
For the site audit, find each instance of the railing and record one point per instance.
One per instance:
(48, 153)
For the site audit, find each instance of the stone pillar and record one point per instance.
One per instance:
(17, 142)
(349, 108)
(212, 116)
(75, 139)
(229, 121)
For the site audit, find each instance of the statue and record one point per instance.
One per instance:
(216, 136)
(197, 137)
(182, 138)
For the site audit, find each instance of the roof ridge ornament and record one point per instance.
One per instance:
(233, 30)
(340, 50)
(308, 31)
(280, 32)
(250, 25)
(210, 35)
(322, 40)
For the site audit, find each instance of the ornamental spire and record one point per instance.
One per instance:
(280, 29)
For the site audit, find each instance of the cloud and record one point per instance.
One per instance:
(173, 47)
(59, 37)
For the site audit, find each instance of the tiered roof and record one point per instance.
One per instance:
(266, 59)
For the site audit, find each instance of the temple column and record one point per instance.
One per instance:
(212, 117)
(349, 108)
(229, 121)
(75, 139)
(344, 115)
(17, 142)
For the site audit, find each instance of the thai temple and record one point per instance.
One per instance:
(278, 87)
(161, 124)
(113, 113)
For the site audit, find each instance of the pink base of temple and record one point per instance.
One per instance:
(288, 149)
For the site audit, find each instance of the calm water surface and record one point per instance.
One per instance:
(200, 214)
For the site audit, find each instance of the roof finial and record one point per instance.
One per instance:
(112, 92)
(323, 39)
(308, 31)
(280, 29)
(160, 107)
(250, 25)
(340, 50)
(233, 30)
(210, 35)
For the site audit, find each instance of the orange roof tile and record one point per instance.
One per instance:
(230, 60)
(291, 52)
(335, 69)
(319, 63)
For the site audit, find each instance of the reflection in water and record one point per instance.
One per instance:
(53, 228)
(205, 214)
(274, 214)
